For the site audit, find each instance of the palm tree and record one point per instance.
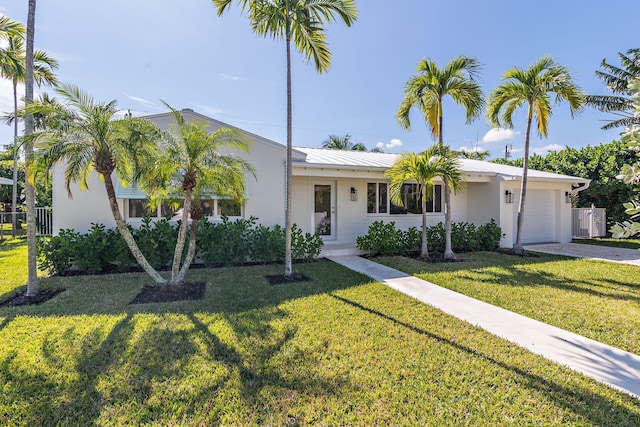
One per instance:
(30, 193)
(424, 168)
(617, 80)
(342, 142)
(426, 91)
(15, 70)
(85, 137)
(532, 87)
(190, 167)
(474, 154)
(299, 21)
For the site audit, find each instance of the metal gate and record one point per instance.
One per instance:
(589, 222)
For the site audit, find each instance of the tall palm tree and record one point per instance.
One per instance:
(189, 166)
(30, 192)
(342, 142)
(426, 91)
(424, 168)
(299, 21)
(85, 137)
(15, 70)
(532, 88)
(617, 80)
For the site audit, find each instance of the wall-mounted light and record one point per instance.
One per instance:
(567, 197)
(508, 196)
(354, 194)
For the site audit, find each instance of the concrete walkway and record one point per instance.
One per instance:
(612, 366)
(580, 250)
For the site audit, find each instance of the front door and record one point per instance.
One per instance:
(324, 209)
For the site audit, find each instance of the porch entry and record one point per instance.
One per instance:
(324, 209)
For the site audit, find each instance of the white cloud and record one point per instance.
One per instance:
(394, 143)
(6, 95)
(475, 149)
(224, 76)
(547, 148)
(499, 134)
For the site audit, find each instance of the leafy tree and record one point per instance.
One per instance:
(532, 87)
(630, 173)
(426, 91)
(14, 69)
(342, 142)
(84, 135)
(189, 166)
(617, 81)
(300, 21)
(424, 168)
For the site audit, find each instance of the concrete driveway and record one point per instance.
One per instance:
(578, 250)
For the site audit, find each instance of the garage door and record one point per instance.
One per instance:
(539, 217)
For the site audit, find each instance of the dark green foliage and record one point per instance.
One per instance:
(601, 164)
(229, 243)
(223, 243)
(385, 239)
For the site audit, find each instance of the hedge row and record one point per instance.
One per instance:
(385, 239)
(224, 243)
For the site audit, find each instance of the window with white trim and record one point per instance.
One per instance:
(378, 200)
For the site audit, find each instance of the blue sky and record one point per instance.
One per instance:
(141, 51)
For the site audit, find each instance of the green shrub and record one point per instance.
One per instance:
(56, 254)
(382, 238)
(385, 239)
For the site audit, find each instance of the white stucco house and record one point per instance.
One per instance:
(340, 193)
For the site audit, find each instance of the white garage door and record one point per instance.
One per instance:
(539, 217)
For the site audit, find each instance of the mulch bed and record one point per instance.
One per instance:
(281, 279)
(169, 293)
(21, 299)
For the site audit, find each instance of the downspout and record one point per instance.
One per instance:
(581, 188)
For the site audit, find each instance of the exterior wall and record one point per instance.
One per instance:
(266, 195)
(351, 218)
(562, 209)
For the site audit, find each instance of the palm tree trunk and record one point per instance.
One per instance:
(14, 192)
(182, 237)
(517, 246)
(288, 268)
(32, 282)
(191, 252)
(448, 251)
(424, 249)
(126, 233)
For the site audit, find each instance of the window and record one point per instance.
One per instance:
(139, 208)
(377, 199)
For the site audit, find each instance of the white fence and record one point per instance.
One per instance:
(44, 220)
(589, 222)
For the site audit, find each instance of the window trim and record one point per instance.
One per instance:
(432, 204)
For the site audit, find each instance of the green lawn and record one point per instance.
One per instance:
(338, 350)
(616, 243)
(596, 299)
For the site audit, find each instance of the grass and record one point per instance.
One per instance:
(616, 243)
(596, 299)
(338, 350)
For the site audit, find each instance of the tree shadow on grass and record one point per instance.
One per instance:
(597, 409)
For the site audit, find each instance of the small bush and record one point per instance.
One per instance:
(382, 238)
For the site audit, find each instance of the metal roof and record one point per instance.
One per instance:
(334, 159)
(6, 181)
